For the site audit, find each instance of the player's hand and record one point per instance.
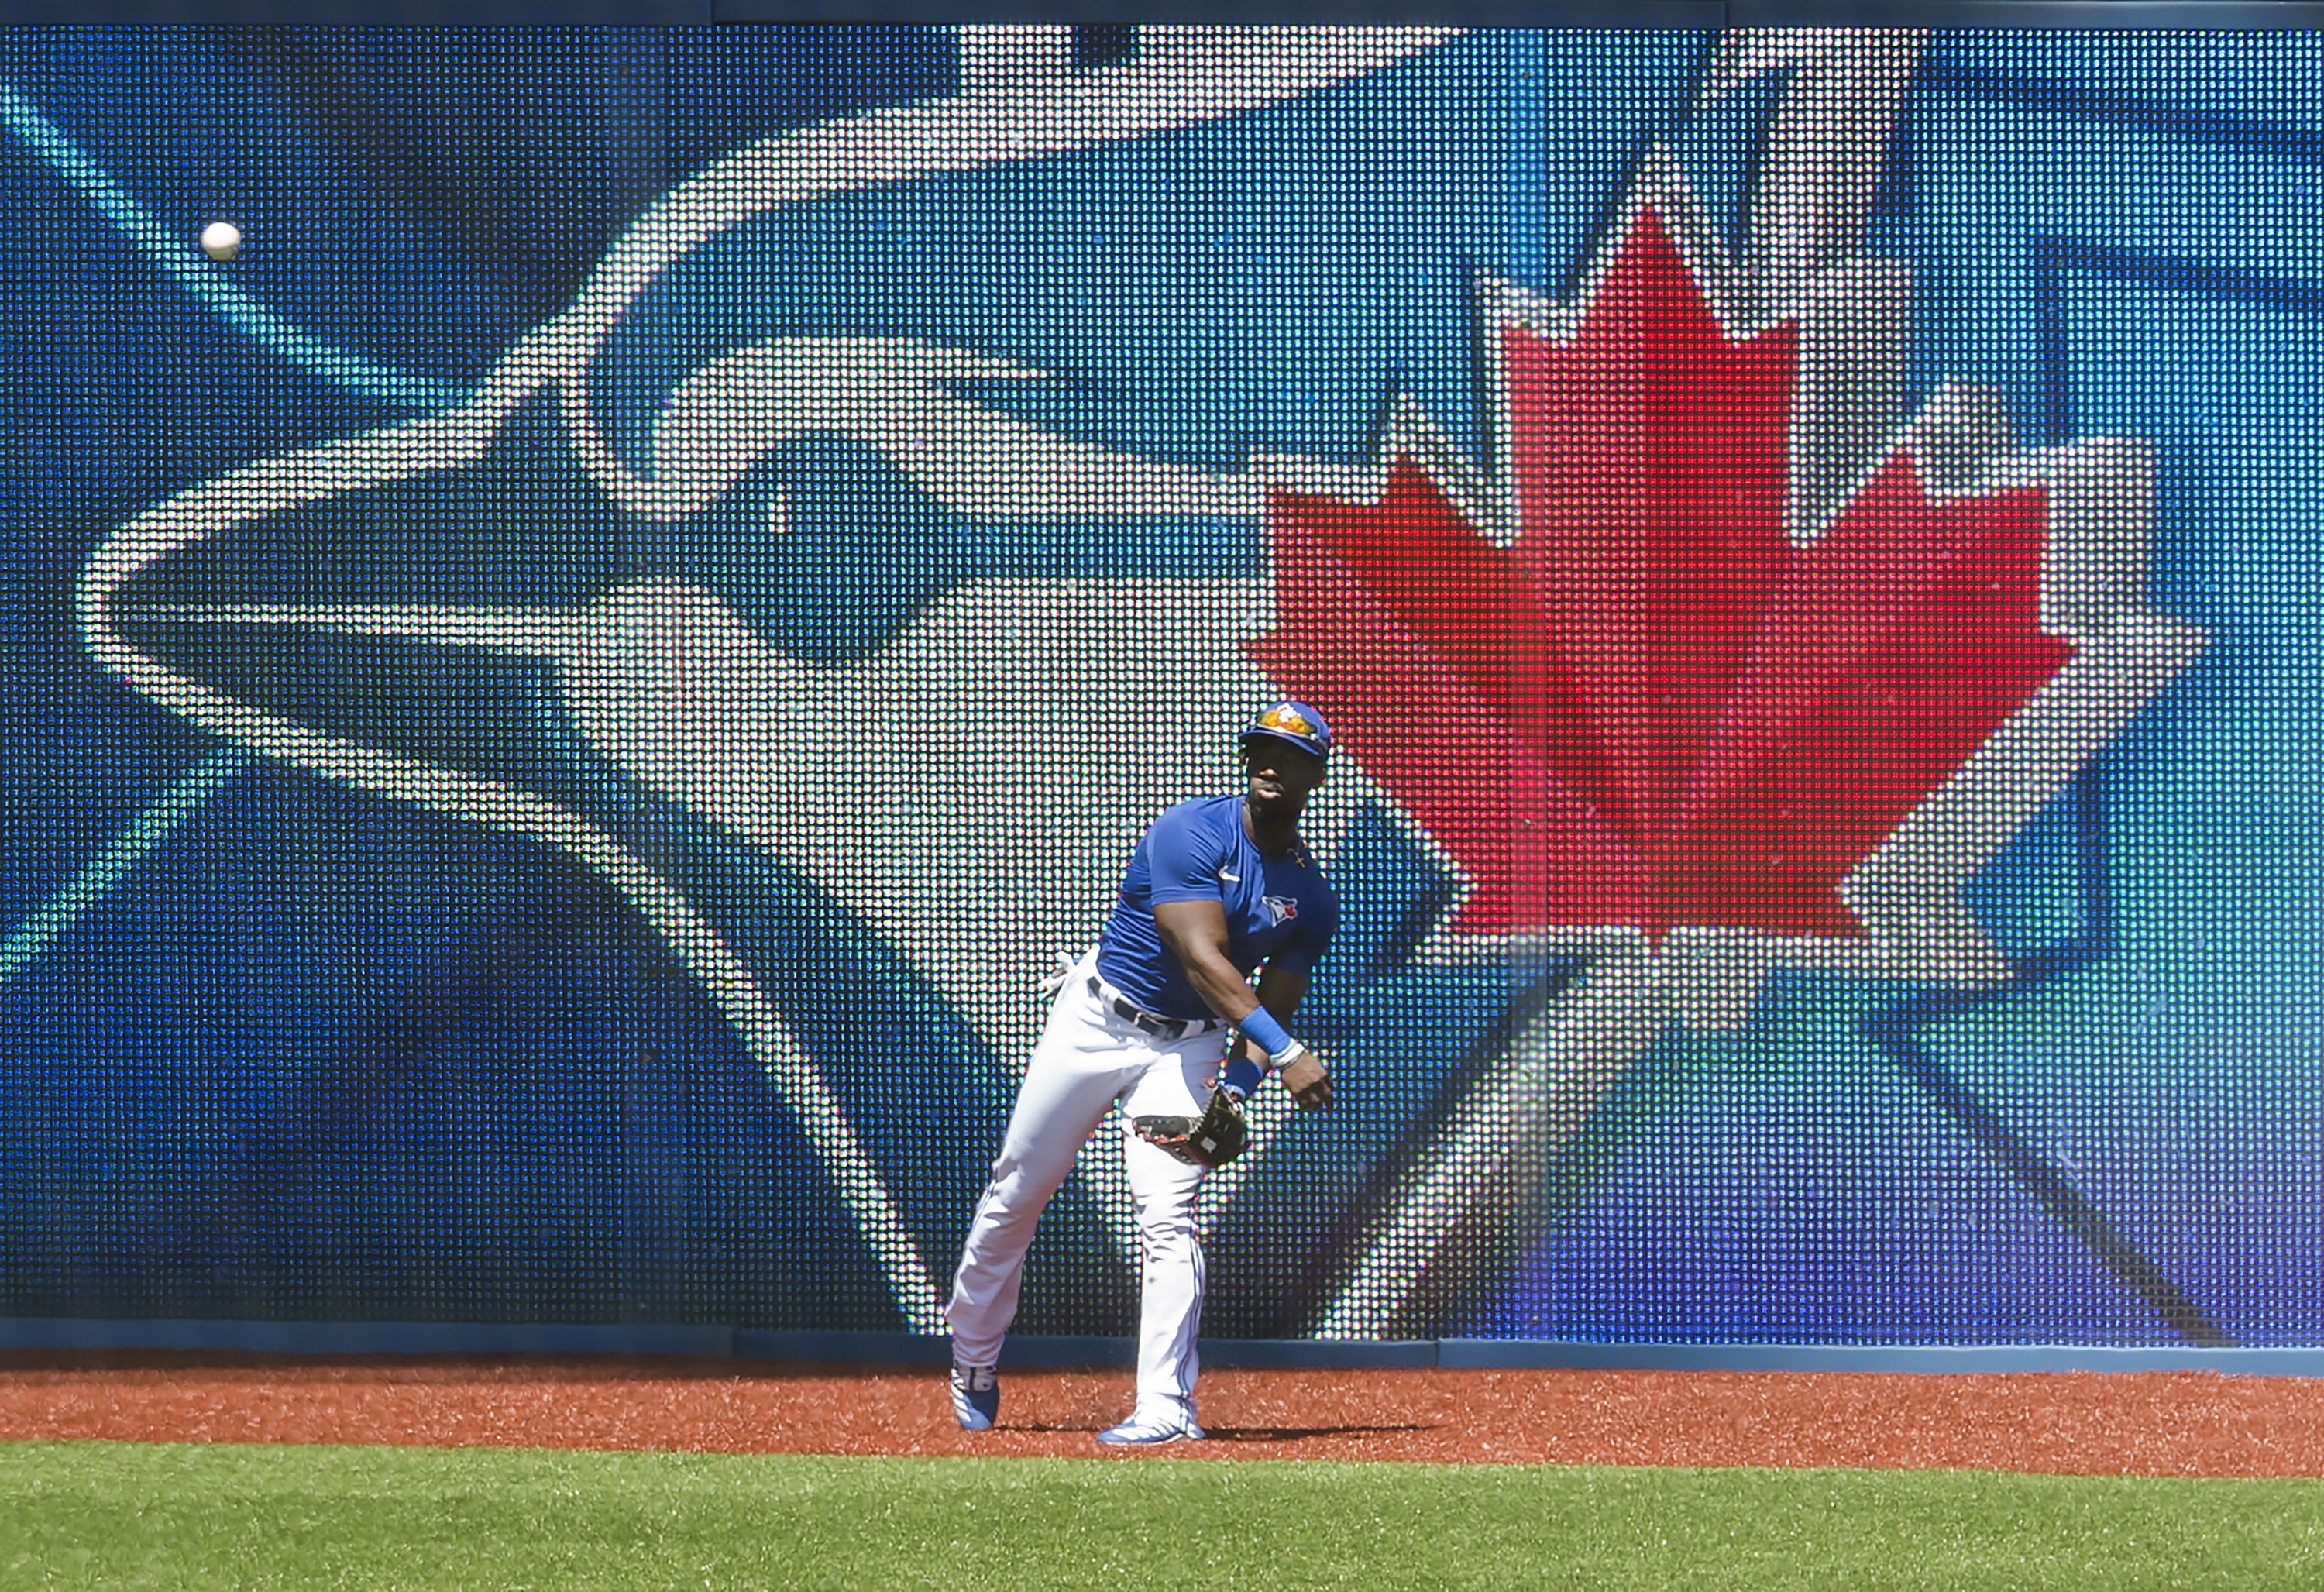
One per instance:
(1309, 1085)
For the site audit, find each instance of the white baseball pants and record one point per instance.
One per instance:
(1088, 1057)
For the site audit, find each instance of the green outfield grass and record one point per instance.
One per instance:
(123, 1514)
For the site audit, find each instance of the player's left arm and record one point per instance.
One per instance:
(1282, 985)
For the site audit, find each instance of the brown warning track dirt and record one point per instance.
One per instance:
(2160, 1424)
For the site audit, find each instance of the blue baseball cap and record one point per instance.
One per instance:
(1295, 722)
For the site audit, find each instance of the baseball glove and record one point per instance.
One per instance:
(1213, 1140)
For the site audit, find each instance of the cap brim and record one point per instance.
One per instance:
(1309, 747)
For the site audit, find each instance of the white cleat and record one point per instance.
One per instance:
(1143, 1429)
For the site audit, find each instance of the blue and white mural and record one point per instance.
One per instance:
(567, 696)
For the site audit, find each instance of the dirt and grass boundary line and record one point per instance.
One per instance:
(2152, 1423)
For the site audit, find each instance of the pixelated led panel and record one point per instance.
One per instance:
(572, 685)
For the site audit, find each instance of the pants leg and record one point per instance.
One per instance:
(1078, 1069)
(1170, 1291)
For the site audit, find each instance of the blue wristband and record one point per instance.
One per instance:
(1270, 1035)
(1240, 1077)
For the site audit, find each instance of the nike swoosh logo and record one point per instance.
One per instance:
(1232, 878)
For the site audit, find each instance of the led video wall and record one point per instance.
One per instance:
(572, 667)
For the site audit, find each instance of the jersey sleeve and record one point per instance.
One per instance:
(1315, 930)
(1182, 858)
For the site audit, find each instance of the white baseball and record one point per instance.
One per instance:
(221, 240)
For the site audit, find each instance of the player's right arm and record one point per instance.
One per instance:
(1190, 914)
(1195, 932)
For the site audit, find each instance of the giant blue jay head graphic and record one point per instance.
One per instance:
(877, 542)
(882, 476)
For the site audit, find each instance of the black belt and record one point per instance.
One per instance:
(1152, 1022)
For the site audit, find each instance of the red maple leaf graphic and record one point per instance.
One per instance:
(1654, 709)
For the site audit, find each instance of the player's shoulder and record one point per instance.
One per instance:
(1204, 814)
(1190, 833)
(1313, 886)
(1312, 867)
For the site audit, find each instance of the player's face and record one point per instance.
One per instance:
(1282, 776)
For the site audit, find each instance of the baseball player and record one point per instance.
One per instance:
(1215, 888)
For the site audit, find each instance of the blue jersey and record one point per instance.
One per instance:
(1278, 909)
